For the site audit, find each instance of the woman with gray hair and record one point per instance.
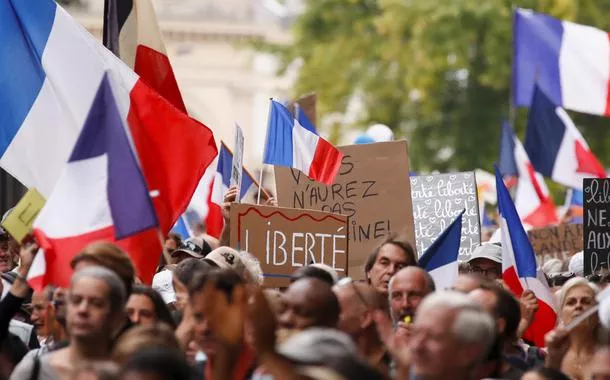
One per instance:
(571, 351)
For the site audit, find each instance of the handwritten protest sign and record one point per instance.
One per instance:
(371, 189)
(238, 160)
(437, 200)
(596, 224)
(559, 242)
(20, 220)
(285, 239)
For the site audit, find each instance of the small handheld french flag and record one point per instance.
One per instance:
(291, 144)
(440, 259)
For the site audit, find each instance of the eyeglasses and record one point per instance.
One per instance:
(349, 281)
(489, 272)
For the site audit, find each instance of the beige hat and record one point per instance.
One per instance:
(226, 258)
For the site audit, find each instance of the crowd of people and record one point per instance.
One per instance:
(207, 316)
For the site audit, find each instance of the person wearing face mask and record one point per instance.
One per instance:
(572, 351)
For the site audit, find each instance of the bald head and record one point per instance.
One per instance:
(309, 302)
(407, 289)
(465, 283)
(358, 301)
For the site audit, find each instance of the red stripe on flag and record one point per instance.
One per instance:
(607, 113)
(326, 162)
(174, 151)
(155, 69)
(214, 221)
(144, 249)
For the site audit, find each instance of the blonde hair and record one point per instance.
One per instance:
(574, 283)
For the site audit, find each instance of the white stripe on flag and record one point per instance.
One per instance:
(445, 276)
(303, 148)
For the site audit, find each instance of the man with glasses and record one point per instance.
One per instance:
(486, 261)
(358, 302)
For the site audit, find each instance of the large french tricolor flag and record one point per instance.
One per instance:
(440, 259)
(292, 145)
(556, 147)
(100, 195)
(570, 62)
(214, 221)
(532, 199)
(131, 31)
(519, 270)
(60, 66)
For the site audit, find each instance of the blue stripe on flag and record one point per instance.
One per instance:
(225, 163)
(545, 132)
(304, 121)
(525, 260)
(536, 48)
(181, 228)
(278, 144)
(508, 165)
(25, 27)
(445, 248)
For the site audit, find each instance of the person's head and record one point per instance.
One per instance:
(41, 311)
(146, 307)
(311, 271)
(59, 304)
(407, 289)
(140, 337)
(109, 256)
(6, 258)
(451, 335)
(229, 259)
(193, 247)
(309, 302)
(501, 304)
(486, 260)
(575, 297)
(599, 366)
(96, 301)
(467, 282)
(172, 242)
(96, 370)
(182, 276)
(253, 273)
(391, 256)
(358, 302)
(317, 346)
(223, 280)
(544, 373)
(156, 364)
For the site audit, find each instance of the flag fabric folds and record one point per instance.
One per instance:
(555, 145)
(222, 180)
(101, 194)
(519, 269)
(292, 145)
(60, 67)
(131, 31)
(183, 228)
(533, 201)
(440, 259)
(570, 62)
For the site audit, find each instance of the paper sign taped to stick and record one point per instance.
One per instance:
(372, 189)
(596, 193)
(558, 242)
(238, 161)
(20, 220)
(437, 200)
(284, 239)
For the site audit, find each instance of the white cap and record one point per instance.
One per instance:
(489, 251)
(576, 264)
(162, 283)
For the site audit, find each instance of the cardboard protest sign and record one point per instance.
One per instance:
(372, 189)
(307, 104)
(437, 200)
(559, 242)
(20, 220)
(286, 239)
(596, 224)
(238, 161)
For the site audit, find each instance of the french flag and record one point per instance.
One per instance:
(214, 221)
(291, 144)
(519, 271)
(131, 31)
(182, 228)
(440, 259)
(570, 62)
(44, 108)
(101, 195)
(532, 199)
(555, 145)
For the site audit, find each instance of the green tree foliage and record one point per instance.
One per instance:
(436, 71)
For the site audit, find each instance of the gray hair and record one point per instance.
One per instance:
(472, 323)
(573, 283)
(253, 273)
(117, 295)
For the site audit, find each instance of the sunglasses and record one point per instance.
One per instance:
(349, 281)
